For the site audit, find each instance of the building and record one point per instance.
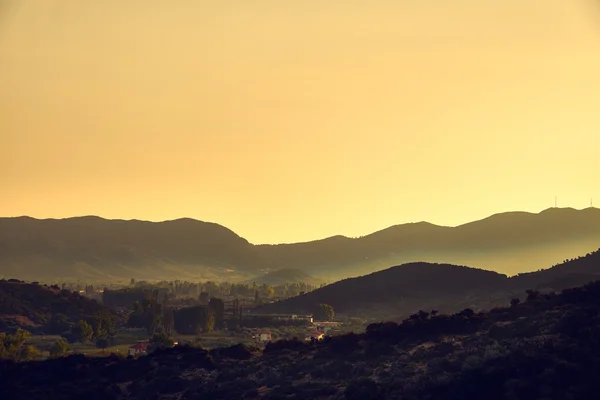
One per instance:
(324, 327)
(138, 349)
(263, 336)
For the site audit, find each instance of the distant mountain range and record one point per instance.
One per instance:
(404, 289)
(97, 249)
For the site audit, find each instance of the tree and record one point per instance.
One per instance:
(156, 320)
(217, 306)
(269, 291)
(168, 321)
(11, 344)
(59, 349)
(515, 302)
(102, 343)
(209, 321)
(82, 331)
(160, 341)
(189, 320)
(29, 353)
(323, 312)
(58, 324)
(103, 326)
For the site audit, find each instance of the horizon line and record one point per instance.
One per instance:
(299, 242)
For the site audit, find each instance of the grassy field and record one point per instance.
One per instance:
(125, 339)
(45, 342)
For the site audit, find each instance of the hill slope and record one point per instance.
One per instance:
(92, 248)
(401, 289)
(31, 306)
(546, 347)
(508, 243)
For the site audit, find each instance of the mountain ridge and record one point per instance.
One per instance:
(338, 236)
(94, 248)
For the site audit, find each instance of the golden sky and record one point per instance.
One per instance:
(296, 120)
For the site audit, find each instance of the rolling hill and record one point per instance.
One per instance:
(92, 248)
(400, 290)
(31, 306)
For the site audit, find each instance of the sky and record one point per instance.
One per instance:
(291, 121)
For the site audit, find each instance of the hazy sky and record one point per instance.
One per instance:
(295, 120)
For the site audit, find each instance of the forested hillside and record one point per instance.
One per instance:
(38, 307)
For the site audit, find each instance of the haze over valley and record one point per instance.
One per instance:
(93, 249)
(289, 200)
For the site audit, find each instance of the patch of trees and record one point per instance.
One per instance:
(160, 341)
(151, 315)
(52, 309)
(99, 329)
(12, 346)
(323, 312)
(194, 320)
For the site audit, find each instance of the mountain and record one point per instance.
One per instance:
(400, 290)
(544, 348)
(31, 306)
(396, 291)
(508, 243)
(92, 248)
(283, 276)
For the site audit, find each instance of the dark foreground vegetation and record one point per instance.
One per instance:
(545, 347)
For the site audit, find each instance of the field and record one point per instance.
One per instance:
(126, 339)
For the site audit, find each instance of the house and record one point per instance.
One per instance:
(263, 336)
(314, 335)
(324, 327)
(138, 349)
